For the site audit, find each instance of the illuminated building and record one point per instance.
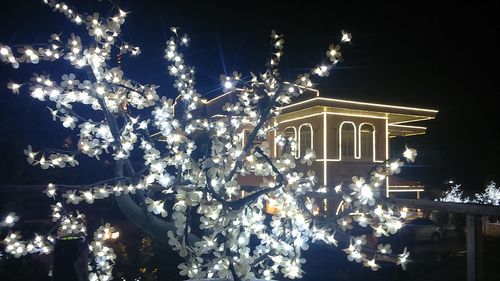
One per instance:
(350, 138)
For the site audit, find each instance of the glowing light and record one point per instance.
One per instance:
(362, 103)
(228, 85)
(9, 219)
(4, 51)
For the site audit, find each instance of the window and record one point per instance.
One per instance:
(347, 137)
(305, 139)
(291, 132)
(367, 139)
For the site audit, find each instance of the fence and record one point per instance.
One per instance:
(474, 228)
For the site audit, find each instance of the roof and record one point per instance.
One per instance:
(311, 103)
(398, 117)
(396, 114)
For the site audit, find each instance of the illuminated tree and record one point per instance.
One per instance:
(185, 192)
(490, 195)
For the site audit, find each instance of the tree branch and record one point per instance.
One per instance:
(263, 118)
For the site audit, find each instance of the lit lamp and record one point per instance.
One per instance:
(271, 207)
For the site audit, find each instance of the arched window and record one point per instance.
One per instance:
(367, 141)
(291, 132)
(305, 139)
(347, 139)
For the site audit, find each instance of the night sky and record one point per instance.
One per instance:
(440, 56)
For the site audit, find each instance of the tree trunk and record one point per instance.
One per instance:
(70, 259)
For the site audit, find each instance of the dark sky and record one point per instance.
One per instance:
(437, 55)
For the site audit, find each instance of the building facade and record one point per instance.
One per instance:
(350, 138)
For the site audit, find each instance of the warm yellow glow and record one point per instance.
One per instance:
(271, 208)
(387, 155)
(363, 103)
(407, 190)
(300, 118)
(243, 137)
(407, 126)
(274, 142)
(409, 135)
(340, 207)
(332, 113)
(325, 140)
(412, 120)
(406, 186)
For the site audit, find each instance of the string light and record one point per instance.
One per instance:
(163, 132)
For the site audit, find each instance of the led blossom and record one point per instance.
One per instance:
(190, 163)
(490, 195)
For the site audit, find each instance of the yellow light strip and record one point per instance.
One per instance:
(363, 103)
(422, 186)
(412, 121)
(339, 207)
(218, 115)
(243, 137)
(217, 97)
(357, 115)
(312, 138)
(406, 190)
(274, 142)
(410, 135)
(408, 126)
(299, 118)
(331, 113)
(387, 155)
(325, 139)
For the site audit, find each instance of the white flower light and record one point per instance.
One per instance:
(180, 163)
(9, 220)
(410, 154)
(4, 51)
